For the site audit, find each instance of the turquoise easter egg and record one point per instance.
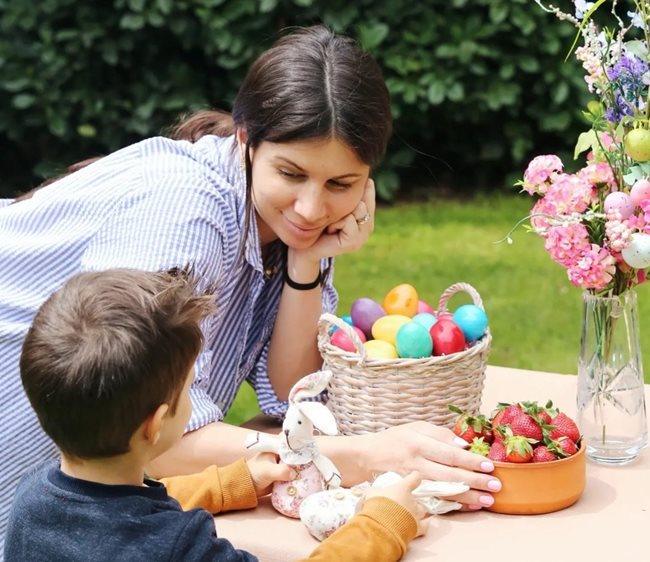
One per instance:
(413, 341)
(472, 320)
(426, 319)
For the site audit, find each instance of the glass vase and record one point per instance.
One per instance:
(610, 398)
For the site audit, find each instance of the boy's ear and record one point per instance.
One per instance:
(151, 427)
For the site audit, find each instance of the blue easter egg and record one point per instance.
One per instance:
(472, 320)
(426, 319)
(347, 319)
(413, 341)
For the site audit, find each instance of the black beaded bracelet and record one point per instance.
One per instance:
(301, 286)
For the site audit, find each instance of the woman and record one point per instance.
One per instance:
(258, 204)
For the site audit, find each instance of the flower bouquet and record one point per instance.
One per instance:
(596, 222)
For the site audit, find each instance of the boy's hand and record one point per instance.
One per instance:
(400, 493)
(265, 469)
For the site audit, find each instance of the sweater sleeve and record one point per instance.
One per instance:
(380, 532)
(198, 542)
(216, 489)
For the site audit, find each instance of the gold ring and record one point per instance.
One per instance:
(364, 220)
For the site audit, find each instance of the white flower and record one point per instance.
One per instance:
(635, 19)
(582, 7)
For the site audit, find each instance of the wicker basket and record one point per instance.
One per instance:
(368, 395)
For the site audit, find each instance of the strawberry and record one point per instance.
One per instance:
(563, 447)
(564, 427)
(479, 446)
(519, 448)
(542, 453)
(505, 414)
(497, 451)
(468, 427)
(526, 426)
(543, 414)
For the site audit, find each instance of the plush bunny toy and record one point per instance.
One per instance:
(296, 445)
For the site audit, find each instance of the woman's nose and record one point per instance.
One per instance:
(310, 204)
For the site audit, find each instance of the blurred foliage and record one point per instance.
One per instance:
(478, 86)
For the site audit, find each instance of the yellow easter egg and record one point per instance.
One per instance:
(380, 349)
(386, 327)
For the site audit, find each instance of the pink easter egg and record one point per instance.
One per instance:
(341, 340)
(287, 496)
(424, 306)
(620, 202)
(640, 191)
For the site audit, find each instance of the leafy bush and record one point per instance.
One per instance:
(477, 85)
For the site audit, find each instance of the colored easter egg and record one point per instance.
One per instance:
(619, 202)
(347, 319)
(343, 341)
(413, 341)
(364, 313)
(640, 191)
(402, 299)
(637, 252)
(472, 320)
(386, 327)
(424, 306)
(426, 319)
(380, 349)
(447, 337)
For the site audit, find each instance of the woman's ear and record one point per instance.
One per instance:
(152, 426)
(242, 139)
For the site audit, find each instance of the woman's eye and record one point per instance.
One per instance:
(340, 185)
(288, 174)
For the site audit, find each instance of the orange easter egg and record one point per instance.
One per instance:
(402, 299)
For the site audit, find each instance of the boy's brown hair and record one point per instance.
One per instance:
(106, 350)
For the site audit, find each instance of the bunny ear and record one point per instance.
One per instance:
(310, 386)
(320, 416)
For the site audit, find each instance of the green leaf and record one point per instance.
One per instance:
(498, 11)
(134, 22)
(267, 6)
(372, 34)
(436, 93)
(637, 48)
(86, 130)
(456, 92)
(586, 141)
(23, 101)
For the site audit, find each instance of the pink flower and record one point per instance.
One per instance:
(570, 193)
(618, 233)
(594, 269)
(599, 173)
(540, 170)
(566, 244)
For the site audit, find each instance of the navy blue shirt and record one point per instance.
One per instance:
(57, 517)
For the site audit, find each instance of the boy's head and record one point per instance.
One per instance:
(105, 351)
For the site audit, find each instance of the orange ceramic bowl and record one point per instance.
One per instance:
(533, 488)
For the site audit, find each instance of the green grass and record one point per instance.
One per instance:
(534, 311)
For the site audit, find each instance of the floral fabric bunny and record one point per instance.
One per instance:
(296, 445)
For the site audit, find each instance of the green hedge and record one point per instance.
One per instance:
(478, 85)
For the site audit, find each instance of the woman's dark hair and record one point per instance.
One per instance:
(311, 84)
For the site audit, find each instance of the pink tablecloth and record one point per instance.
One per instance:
(611, 521)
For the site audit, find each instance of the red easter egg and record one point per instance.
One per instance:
(341, 340)
(447, 337)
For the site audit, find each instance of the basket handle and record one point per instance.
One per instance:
(456, 288)
(326, 320)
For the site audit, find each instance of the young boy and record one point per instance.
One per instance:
(107, 366)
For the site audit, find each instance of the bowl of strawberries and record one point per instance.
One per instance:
(537, 451)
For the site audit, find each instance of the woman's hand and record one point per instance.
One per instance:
(436, 453)
(351, 232)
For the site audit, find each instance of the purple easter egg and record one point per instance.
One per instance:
(365, 313)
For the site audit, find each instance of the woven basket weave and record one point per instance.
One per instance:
(368, 395)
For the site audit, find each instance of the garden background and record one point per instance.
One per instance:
(478, 87)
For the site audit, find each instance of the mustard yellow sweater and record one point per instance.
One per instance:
(380, 532)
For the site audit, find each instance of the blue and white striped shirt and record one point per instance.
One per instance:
(153, 206)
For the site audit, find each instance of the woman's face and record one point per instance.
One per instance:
(300, 188)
